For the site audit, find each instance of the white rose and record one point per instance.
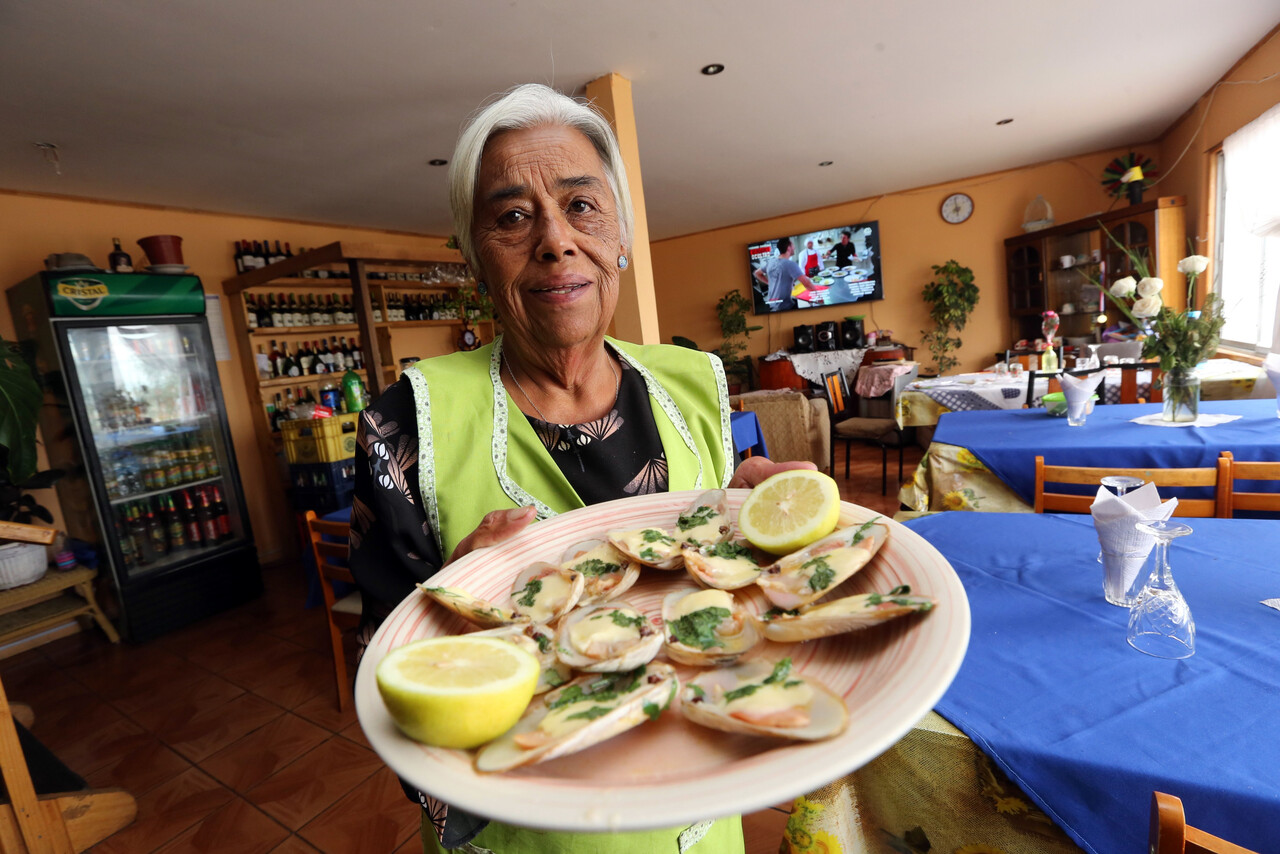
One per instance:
(1147, 306)
(1124, 288)
(1150, 287)
(1193, 265)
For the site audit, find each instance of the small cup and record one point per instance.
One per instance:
(1002, 373)
(1015, 370)
(1067, 261)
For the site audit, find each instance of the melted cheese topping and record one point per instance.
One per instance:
(708, 533)
(555, 590)
(557, 723)
(699, 601)
(727, 570)
(771, 697)
(844, 562)
(634, 543)
(598, 636)
(604, 552)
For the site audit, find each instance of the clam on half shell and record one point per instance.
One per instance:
(478, 611)
(706, 628)
(540, 642)
(606, 572)
(811, 573)
(606, 638)
(654, 547)
(544, 592)
(587, 711)
(838, 616)
(706, 521)
(764, 698)
(729, 565)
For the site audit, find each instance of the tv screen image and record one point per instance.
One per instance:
(836, 266)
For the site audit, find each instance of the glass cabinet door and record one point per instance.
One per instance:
(157, 438)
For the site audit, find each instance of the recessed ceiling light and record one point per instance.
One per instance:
(826, 163)
(712, 69)
(1004, 121)
(437, 162)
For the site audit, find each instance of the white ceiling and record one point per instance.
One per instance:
(328, 110)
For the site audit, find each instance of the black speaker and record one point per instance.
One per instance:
(826, 336)
(803, 338)
(851, 337)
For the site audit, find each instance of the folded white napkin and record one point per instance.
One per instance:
(1115, 517)
(1204, 419)
(1271, 365)
(1078, 390)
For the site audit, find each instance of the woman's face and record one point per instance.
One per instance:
(547, 236)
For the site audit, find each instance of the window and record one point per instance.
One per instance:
(1248, 272)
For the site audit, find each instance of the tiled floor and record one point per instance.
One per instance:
(229, 736)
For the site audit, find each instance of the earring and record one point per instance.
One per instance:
(482, 288)
(622, 262)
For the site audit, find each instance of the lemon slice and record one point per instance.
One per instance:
(457, 691)
(790, 510)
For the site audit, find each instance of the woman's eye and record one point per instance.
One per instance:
(579, 206)
(512, 217)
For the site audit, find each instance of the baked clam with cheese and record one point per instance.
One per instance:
(838, 616)
(544, 592)
(764, 698)
(811, 573)
(727, 565)
(606, 572)
(706, 521)
(606, 638)
(706, 628)
(474, 610)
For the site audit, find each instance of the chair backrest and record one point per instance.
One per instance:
(1218, 478)
(331, 554)
(1247, 470)
(1120, 349)
(1129, 382)
(837, 395)
(1169, 832)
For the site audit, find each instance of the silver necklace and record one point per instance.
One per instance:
(617, 386)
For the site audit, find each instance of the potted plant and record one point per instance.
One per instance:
(951, 298)
(731, 311)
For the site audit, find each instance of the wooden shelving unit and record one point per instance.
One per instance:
(381, 341)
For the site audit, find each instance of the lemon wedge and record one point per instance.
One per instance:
(456, 691)
(790, 510)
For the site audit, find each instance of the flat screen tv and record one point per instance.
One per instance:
(841, 265)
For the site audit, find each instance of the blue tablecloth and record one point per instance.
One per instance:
(1008, 441)
(746, 434)
(1086, 725)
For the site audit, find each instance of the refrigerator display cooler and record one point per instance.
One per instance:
(134, 415)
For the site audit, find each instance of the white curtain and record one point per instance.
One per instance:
(1250, 263)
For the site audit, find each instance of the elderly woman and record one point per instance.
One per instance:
(467, 449)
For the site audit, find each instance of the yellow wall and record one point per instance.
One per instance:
(31, 227)
(692, 272)
(1233, 106)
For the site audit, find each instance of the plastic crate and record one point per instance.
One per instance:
(320, 440)
(333, 476)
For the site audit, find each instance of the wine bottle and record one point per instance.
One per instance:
(305, 358)
(317, 315)
(221, 518)
(238, 258)
(320, 364)
(156, 533)
(277, 360)
(204, 513)
(278, 415)
(288, 253)
(280, 315)
(280, 256)
(291, 367)
(356, 355)
(173, 523)
(190, 523)
(119, 261)
(377, 309)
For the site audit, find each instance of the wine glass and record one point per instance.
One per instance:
(1160, 621)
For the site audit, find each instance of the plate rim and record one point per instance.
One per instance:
(663, 803)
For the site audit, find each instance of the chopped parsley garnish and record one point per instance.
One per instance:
(781, 671)
(529, 592)
(895, 596)
(605, 688)
(698, 692)
(698, 517)
(621, 620)
(774, 613)
(596, 567)
(793, 683)
(553, 678)
(443, 591)
(729, 550)
(900, 590)
(544, 643)
(822, 575)
(699, 628)
(862, 532)
(647, 553)
(739, 693)
(589, 714)
(652, 710)
(653, 535)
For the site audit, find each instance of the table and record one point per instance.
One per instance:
(986, 460)
(923, 402)
(747, 438)
(811, 366)
(1086, 725)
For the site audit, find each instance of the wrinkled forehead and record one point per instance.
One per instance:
(543, 157)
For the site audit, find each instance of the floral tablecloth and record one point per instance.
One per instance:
(950, 477)
(812, 366)
(923, 401)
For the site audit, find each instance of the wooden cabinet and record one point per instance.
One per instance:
(1041, 276)
(369, 272)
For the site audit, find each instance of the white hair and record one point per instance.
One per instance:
(527, 106)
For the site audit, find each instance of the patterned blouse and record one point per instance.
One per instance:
(616, 456)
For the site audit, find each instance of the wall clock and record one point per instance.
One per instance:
(956, 208)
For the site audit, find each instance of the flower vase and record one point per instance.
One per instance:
(1181, 394)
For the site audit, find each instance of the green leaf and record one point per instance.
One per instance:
(822, 575)
(698, 629)
(621, 620)
(727, 549)
(652, 710)
(589, 714)
(529, 592)
(781, 671)
(700, 516)
(596, 567)
(20, 399)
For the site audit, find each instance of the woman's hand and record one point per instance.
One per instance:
(497, 526)
(754, 470)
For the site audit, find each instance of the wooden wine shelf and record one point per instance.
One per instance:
(305, 379)
(281, 331)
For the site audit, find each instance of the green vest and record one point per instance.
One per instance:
(477, 451)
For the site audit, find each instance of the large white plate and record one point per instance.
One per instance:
(670, 772)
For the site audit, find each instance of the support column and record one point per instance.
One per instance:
(636, 318)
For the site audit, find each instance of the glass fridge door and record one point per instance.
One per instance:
(156, 437)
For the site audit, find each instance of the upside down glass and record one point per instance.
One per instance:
(1160, 622)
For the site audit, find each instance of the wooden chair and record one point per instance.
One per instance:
(1217, 477)
(331, 555)
(1170, 833)
(848, 428)
(1246, 470)
(1129, 382)
(58, 822)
